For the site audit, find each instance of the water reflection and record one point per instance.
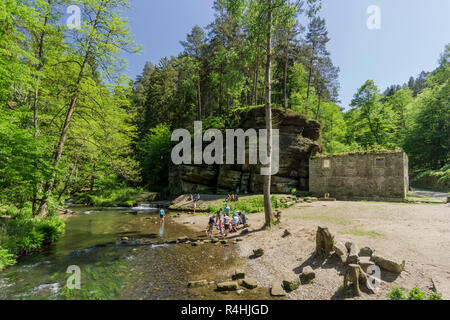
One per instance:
(161, 230)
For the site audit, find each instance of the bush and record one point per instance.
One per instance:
(22, 236)
(435, 296)
(123, 197)
(294, 192)
(51, 227)
(396, 294)
(416, 294)
(6, 259)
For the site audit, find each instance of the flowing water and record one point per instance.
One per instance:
(144, 267)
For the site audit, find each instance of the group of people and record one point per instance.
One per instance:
(232, 198)
(195, 199)
(224, 223)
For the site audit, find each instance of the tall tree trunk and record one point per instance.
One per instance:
(256, 78)
(318, 107)
(69, 179)
(310, 71)
(267, 179)
(94, 166)
(199, 97)
(49, 186)
(285, 72)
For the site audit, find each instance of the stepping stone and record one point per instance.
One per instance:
(196, 284)
(227, 286)
(277, 290)
(239, 274)
(250, 283)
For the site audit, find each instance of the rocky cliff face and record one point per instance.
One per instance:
(298, 142)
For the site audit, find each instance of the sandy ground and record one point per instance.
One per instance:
(417, 233)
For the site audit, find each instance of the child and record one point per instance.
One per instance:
(226, 224)
(227, 209)
(161, 214)
(236, 222)
(210, 227)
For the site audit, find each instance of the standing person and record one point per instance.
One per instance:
(236, 221)
(226, 224)
(237, 190)
(243, 218)
(227, 209)
(219, 220)
(210, 227)
(161, 214)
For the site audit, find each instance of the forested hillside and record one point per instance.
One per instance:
(221, 69)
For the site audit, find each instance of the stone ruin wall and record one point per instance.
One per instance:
(373, 176)
(299, 140)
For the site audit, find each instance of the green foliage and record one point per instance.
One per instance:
(99, 282)
(22, 236)
(416, 294)
(294, 192)
(123, 197)
(396, 294)
(6, 258)
(434, 179)
(155, 155)
(435, 296)
(250, 204)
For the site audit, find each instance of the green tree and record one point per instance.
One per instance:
(373, 120)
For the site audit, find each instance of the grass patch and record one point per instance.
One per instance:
(335, 220)
(362, 233)
(253, 204)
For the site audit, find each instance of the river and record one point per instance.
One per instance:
(141, 268)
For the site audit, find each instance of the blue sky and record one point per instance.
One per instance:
(413, 34)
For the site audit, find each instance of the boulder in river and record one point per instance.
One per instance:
(182, 239)
(197, 283)
(239, 274)
(249, 283)
(227, 286)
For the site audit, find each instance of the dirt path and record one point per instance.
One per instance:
(429, 194)
(417, 233)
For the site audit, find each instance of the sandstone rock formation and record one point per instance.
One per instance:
(298, 142)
